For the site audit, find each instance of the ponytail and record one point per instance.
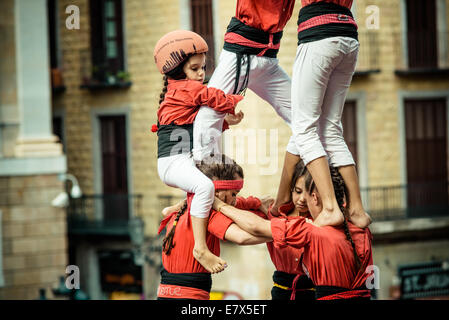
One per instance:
(167, 243)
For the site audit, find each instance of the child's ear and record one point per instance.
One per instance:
(315, 198)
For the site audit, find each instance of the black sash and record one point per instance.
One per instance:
(253, 34)
(174, 139)
(327, 30)
(200, 280)
(286, 280)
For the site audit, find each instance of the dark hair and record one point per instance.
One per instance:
(167, 243)
(215, 169)
(224, 168)
(300, 170)
(342, 196)
(176, 74)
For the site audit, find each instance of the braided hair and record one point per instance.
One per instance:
(175, 74)
(167, 243)
(164, 89)
(342, 196)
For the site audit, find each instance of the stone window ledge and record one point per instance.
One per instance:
(32, 166)
(410, 230)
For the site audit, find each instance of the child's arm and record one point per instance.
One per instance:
(217, 99)
(284, 232)
(245, 219)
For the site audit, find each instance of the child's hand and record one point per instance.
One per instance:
(266, 202)
(232, 119)
(218, 204)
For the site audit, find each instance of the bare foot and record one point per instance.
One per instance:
(173, 208)
(208, 260)
(329, 218)
(359, 217)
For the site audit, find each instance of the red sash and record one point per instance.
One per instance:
(180, 292)
(325, 19)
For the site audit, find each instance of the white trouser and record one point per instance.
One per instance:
(180, 171)
(322, 74)
(266, 78)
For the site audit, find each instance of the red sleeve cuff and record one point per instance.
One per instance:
(278, 230)
(218, 224)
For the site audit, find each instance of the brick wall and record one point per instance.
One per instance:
(34, 236)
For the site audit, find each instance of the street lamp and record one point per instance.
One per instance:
(62, 199)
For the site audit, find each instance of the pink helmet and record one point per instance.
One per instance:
(173, 48)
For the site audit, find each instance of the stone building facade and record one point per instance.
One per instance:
(381, 92)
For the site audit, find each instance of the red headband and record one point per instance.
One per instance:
(228, 184)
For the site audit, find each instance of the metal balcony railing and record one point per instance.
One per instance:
(102, 214)
(419, 200)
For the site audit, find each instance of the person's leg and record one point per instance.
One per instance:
(208, 124)
(182, 173)
(332, 130)
(312, 69)
(357, 213)
(270, 82)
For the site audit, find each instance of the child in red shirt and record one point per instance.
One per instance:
(180, 57)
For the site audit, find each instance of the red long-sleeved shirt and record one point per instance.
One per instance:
(267, 15)
(287, 258)
(180, 259)
(328, 256)
(185, 97)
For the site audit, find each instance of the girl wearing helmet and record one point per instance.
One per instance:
(180, 57)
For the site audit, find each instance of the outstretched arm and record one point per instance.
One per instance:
(241, 237)
(246, 220)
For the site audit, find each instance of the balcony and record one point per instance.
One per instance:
(421, 53)
(101, 76)
(423, 200)
(102, 215)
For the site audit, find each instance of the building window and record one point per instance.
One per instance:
(202, 23)
(349, 122)
(422, 34)
(426, 145)
(106, 34)
(57, 82)
(114, 168)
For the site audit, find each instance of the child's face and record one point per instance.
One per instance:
(298, 195)
(195, 67)
(228, 196)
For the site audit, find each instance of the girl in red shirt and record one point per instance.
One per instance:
(180, 57)
(182, 276)
(335, 257)
(289, 280)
